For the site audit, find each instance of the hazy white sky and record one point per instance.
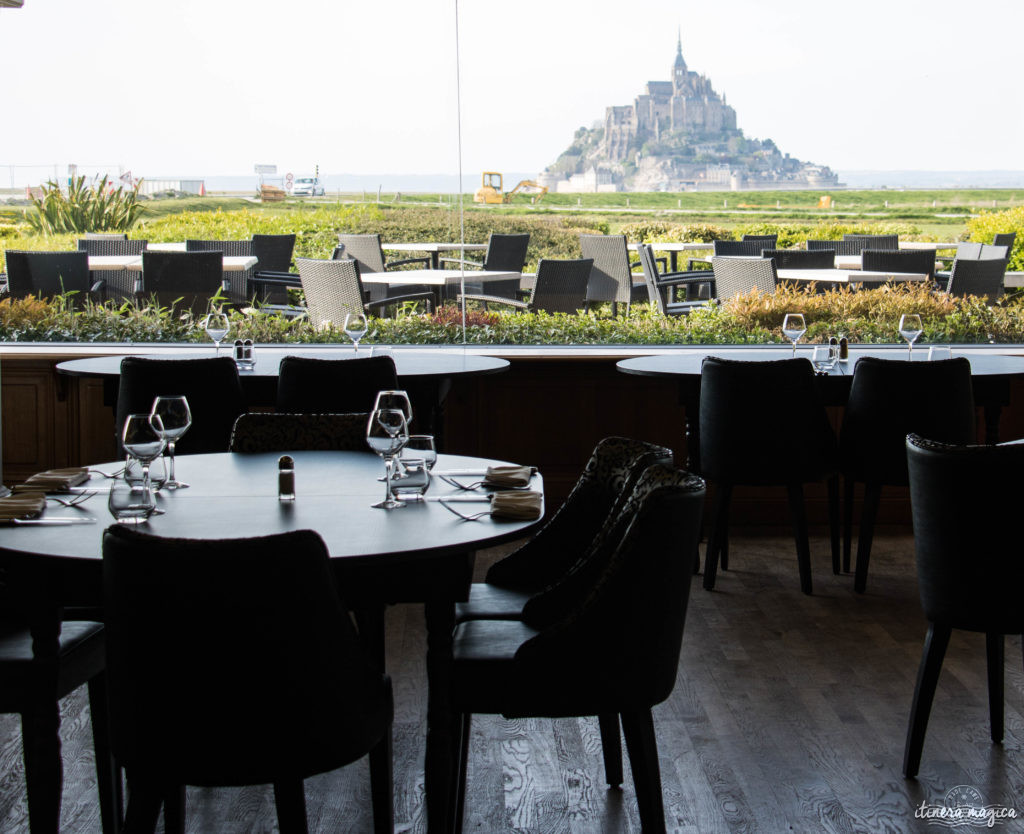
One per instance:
(205, 87)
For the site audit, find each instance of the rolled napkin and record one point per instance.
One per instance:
(517, 506)
(509, 477)
(22, 505)
(55, 480)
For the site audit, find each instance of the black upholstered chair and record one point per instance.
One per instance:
(333, 386)
(763, 424)
(260, 432)
(736, 275)
(46, 274)
(899, 260)
(614, 651)
(983, 278)
(560, 287)
(234, 662)
(212, 387)
(611, 278)
(698, 284)
(889, 399)
(965, 502)
(182, 280)
(32, 683)
(505, 253)
(801, 258)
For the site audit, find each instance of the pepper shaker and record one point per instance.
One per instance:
(285, 478)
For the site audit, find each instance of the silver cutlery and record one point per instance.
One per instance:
(73, 502)
(116, 474)
(55, 521)
(474, 517)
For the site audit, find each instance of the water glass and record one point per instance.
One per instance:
(939, 352)
(419, 446)
(130, 503)
(824, 359)
(415, 479)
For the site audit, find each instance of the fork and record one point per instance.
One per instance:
(116, 474)
(448, 479)
(463, 516)
(71, 502)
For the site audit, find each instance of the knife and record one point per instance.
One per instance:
(479, 496)
(55, 520)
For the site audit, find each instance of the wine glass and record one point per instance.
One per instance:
(217, 326)
(142, 438)
(394, 399)
(793, 327)
(386, 433)
(355, 328)
(176, 418)
(910, 329)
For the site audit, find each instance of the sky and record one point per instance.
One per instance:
(212, 87)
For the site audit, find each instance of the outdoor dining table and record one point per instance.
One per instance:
(990, 377)
(674, 248)
(849, 276)
(435, 249)
(418, 553)
(133, 263)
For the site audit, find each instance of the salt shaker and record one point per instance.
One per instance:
(844, 350)
(285, 478)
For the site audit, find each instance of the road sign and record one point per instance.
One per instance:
(289, 176)
(266, 169)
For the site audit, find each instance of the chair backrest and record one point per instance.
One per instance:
(229, 248)
(106, 235)
(332, 289)
(628, 625)
(1006, 239)
(118, 246)
(234, 661)
(769, 241)
(185, 280)
(980, 278)
(763, 423)
(365, 250)
(801, 258)
(874, 241)
(45, 274)
(273, 253)
(259, 432)
(506, 253)
(333, 386)
(853, 246)
(820, 245)
(598, 495)
(965, 501)
(899, 260)
(991, 252)
(650, 270)
(212, 387)
(741, 248)
(610, 278)
(968, 251)
(737, 276)
(561, 285)
(889, 399)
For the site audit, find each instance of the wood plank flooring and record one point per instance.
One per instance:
(789, 714)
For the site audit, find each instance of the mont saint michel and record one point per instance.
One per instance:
(677, 135)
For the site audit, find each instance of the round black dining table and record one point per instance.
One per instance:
(418, 553)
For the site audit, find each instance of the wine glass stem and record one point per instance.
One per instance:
(388, 465)
(170, 456)
(146, 486)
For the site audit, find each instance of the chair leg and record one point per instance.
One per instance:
(872, 498)
(719, 522)
(935, 644)
(994, 652)
(638, 728)
(40, 739)
(382, 791)
(174, 809)
(458, 804)
(723, 544)
(848, 488)
(108, 774)
(290, 800)
(803, 546)
(833, 520)
(612, 747)
(144, 801)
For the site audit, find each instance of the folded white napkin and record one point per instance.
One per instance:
(55, 480)
(523, 505)
(508, 476)
(22, 505)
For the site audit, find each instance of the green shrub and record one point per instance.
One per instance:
(82, 208)
(981, 229)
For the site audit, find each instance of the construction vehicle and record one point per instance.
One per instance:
(491, 193)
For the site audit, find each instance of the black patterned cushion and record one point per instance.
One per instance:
(299, 432)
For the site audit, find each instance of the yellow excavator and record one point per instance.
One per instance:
(491, 191)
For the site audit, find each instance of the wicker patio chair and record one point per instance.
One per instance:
(801, 258)
(561, 287)
(735, 276)
(185, 280)
(238, 281)
(660, 287)
(899, 260)
(769, 241)
(874, 241)
(45, 274)
(980, 278)
(505, 253)
(112, 246)
(611, 278)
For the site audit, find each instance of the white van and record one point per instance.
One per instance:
(307, 187)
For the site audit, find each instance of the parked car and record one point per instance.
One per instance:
(307, 187)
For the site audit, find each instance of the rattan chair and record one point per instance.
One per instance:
(993, 252)
(890, 398)
(838, 247)
(611, 278)
(333, 289)
(505, 253)
(367, 251)
(965, 502)
(237, 281)
(333, 386)
(235, 662)
(920, 261)
(116, 245)
(182, 280)
(801, 258)
(614, 652)
(560, 287)
(769, 241)
(982, 278)
(46, 274)
(738, 276)
(890, 242)
(789, 446)
(106, 235)
(259, 432)
(740, 248)
(1007, 239)
(271, 276)
(660, 287)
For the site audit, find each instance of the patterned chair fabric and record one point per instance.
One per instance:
(257, 432)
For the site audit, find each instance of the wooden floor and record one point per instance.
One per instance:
(789, 714)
